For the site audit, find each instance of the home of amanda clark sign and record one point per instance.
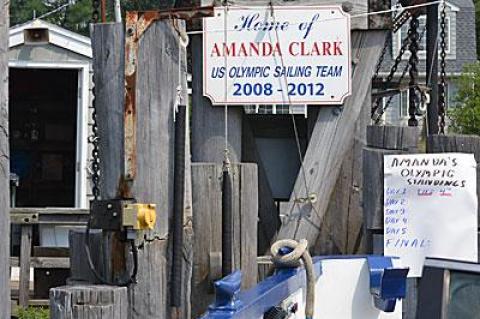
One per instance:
(279, 55)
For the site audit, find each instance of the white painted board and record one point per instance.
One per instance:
(430, 208)
(277, 55)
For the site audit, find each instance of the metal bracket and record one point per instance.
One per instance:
(387, 284)
(136, 24)
(119, 214)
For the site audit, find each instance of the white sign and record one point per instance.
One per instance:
(430, 208)
(277, 55)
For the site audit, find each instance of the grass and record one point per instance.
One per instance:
(33, 313)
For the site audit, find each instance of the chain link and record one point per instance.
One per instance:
(443, 74)
(413, 72)
(393, 70)
(399, 82)
(95, 11)
(93, 139)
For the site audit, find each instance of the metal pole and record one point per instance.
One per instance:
(432, 68)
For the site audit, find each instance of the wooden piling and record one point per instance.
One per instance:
(100, 302)
(4, 167)
(161, 61)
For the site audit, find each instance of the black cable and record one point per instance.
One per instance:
(227, 224)
(98, 276)
(178, 202)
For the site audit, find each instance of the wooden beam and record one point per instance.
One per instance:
(4, 165)
(342, 230)
(44, 262)
(329, 143)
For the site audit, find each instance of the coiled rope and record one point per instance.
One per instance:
(291, 260)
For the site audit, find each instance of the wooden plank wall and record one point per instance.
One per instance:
(329, 143)
(207, 224)
(4, 166)
(342, 231)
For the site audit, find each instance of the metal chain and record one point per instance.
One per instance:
(382, 57)
(443, 74)
(93, 139)
(393, 70)
(399, 82)
(95, 10)
(413, 72)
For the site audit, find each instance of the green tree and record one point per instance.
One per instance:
(75, 16)
(465, 118)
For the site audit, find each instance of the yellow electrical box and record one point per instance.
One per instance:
(139, 216)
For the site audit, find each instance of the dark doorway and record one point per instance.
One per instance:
(43, 120)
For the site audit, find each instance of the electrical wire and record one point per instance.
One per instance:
(98, 276)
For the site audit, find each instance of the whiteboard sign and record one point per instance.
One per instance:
(430, 208)
(277, 55)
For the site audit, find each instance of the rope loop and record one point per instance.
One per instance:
(291, 260)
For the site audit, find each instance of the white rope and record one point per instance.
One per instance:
(292, 259)
(226, 161)
(354, 16)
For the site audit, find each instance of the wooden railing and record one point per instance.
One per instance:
(26, 218)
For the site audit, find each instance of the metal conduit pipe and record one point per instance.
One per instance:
(178, 206)
(227, 222)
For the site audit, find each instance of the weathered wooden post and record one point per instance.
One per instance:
(160, 80)
(89, 302)
(384, 140)
(4, 167)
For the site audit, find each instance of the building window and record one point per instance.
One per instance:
(276, 109)
(402, 34)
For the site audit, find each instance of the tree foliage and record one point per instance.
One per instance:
(75, 16)
(465, 118)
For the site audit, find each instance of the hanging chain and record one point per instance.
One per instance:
(93, 139)
(393, 70)
(382, 57)
(413, 62)
(399, 82)
(95, 10)
(443, 55)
